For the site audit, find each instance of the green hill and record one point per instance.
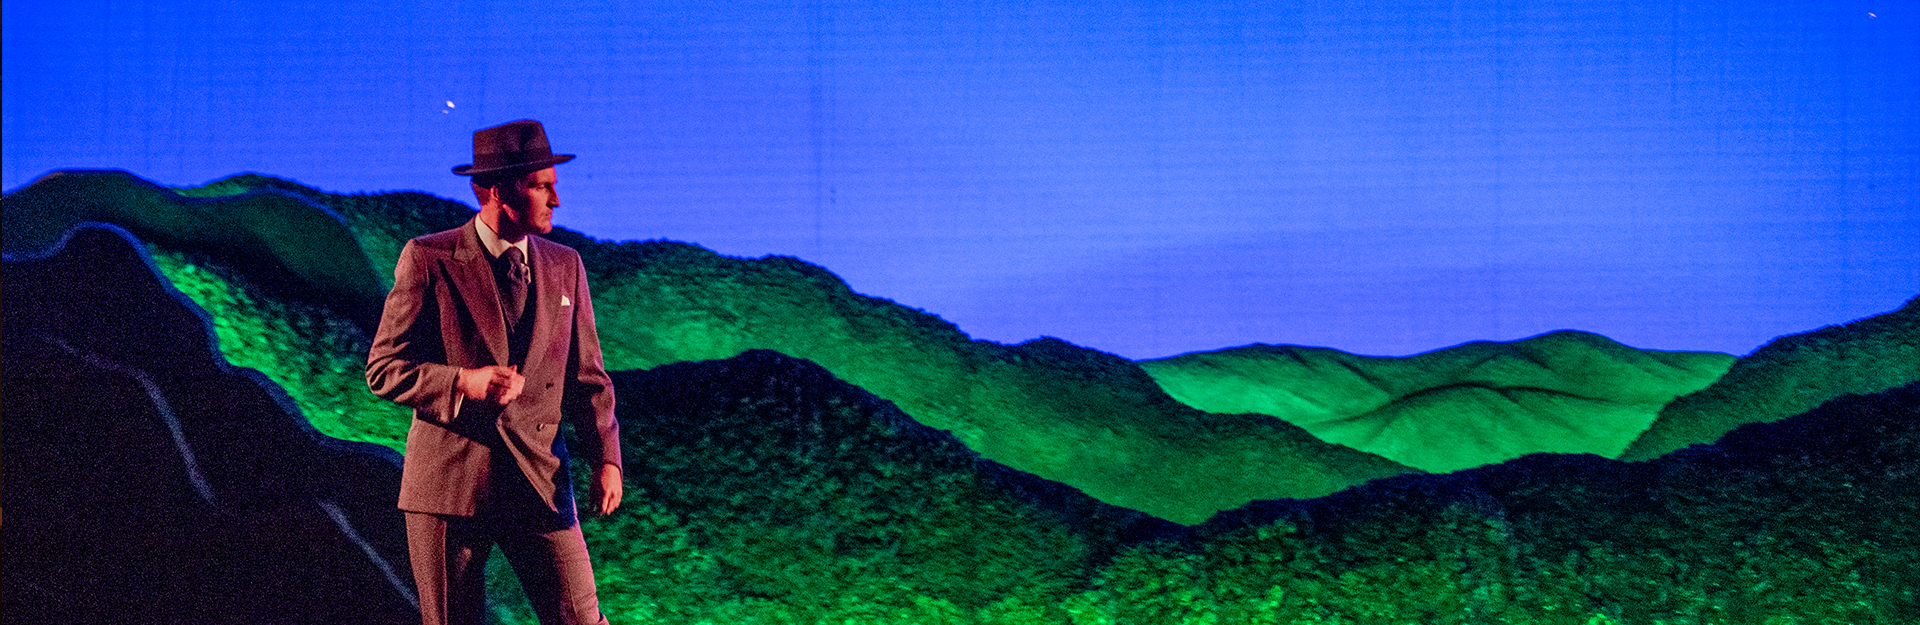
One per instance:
(762, 489)
(277, 237)
(1085, 418)
(765, 485)
(1455, 408)
(1790, 375)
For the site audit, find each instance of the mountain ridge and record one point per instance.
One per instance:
(1454, 408)
(1078, 416)
(767, 491)
(1791, 375)
(279, 236)
(1090, 419)
(147, 480)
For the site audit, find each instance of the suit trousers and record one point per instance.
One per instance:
(449, 556)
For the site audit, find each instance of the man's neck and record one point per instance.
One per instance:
(504, 228)
(490, 239)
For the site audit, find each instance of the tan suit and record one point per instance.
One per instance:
(443, 315)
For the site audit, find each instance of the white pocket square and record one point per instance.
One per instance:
(565, 302)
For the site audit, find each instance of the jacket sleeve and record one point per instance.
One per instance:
(589, 394)
(408, 362)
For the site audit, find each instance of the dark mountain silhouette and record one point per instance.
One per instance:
(147, 477)
(1808, 519)
(148, 481)
(1086, 418)
(1455, 408)
(1047, 407)
(764, 489)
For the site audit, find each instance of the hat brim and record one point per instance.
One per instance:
(469, 170)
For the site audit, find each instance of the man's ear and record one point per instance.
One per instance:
(484, 195)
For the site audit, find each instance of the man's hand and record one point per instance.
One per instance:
(607, 489)
(496, 384)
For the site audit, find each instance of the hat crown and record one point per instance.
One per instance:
(514, 145)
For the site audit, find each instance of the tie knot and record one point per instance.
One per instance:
(517, 265)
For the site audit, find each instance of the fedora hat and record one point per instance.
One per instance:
(517, 145)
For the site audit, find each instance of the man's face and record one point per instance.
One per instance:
(529, 202)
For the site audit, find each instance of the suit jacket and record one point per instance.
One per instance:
(443, 315)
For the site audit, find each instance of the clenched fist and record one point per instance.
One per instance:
(496, 384)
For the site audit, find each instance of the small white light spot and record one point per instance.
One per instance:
(1872, 15)
(449, 103)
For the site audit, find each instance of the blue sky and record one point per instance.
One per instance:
(1146, 178)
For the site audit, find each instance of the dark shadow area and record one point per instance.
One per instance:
(149, 482)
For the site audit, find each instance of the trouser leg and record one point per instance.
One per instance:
(449, 557)
(557, 575)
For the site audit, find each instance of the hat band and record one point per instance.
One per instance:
(497, 160)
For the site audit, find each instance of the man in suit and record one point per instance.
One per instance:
(488, 335)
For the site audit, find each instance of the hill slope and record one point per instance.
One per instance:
(1790, 375)
(278, 237)
(1085, 418)
(762, 490)
(148, 481)
(1461, 407)
(778, 484)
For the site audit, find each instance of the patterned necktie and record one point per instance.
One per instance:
(518, 275)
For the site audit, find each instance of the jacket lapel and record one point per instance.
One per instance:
(473, 276)
(547, 289)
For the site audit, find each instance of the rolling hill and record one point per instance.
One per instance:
(148, 480)
(1790, 375)
(1456, 408)
(1179, 438)
(1086, 418)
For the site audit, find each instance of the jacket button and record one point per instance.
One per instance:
(539, 426)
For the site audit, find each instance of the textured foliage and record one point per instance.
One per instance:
(764, 489)
(1791, 375)
(310, 351)
(783, 484)
(1768, 527)
(1082, 417)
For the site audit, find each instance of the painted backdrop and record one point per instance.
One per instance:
(1144, 178)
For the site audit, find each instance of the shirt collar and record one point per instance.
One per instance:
(494, 244)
